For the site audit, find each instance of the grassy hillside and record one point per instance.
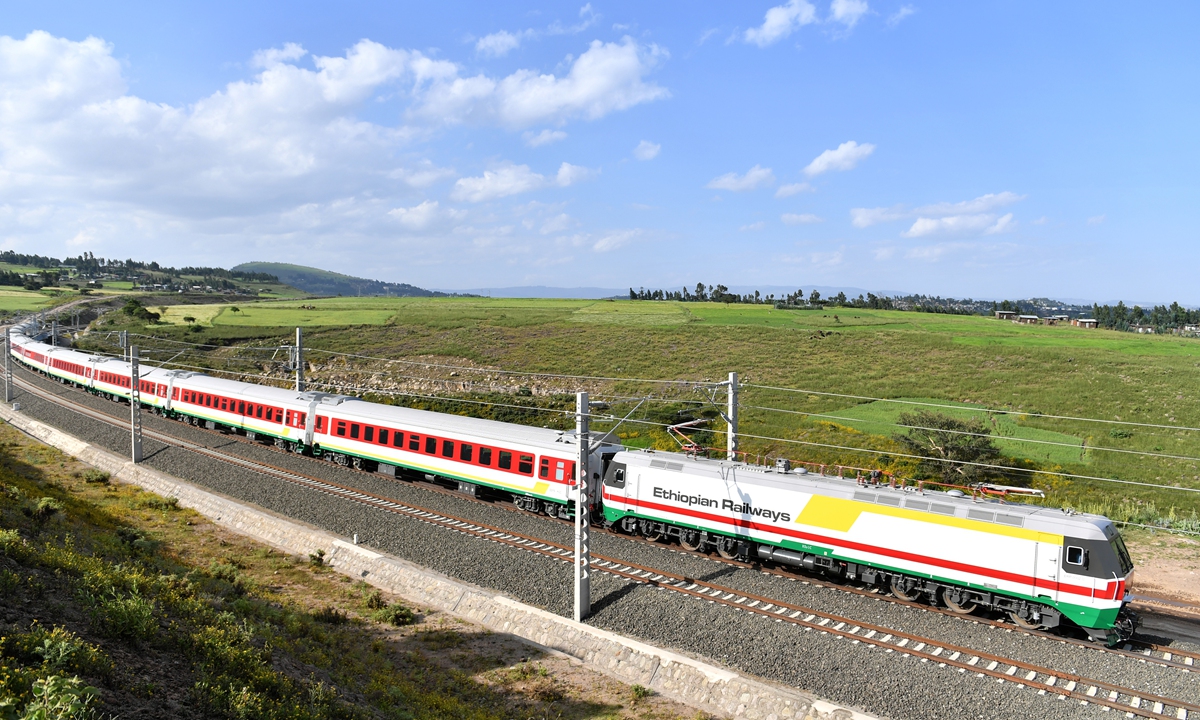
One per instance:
(126, 605)
(324, 282)
(970, 360)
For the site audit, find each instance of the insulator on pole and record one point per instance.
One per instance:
(583, 529)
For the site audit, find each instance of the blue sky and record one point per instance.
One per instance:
(965, 149)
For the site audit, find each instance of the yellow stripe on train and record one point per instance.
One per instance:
(840, 515)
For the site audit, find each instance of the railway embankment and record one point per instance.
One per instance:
(698, 684)
(851, 671)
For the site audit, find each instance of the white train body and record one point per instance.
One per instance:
(536, 463)
(1002, 553)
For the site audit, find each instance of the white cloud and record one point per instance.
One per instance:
(845, 157)
(606, 78)
(848, 12)
(827, 259)
(985, 224)
(290, 52)
(646, 150)
(753, 226)
(499, 44)
(904, 11)
(733, 182)
(419, 217)
(503, 181)
(424, 175)
(545, 137)
(981, 204)
(1096, 219)
(866, 217)
(966, 214)
(781, 21)
(569, 174)
(799, 219)
(793, 189)
(616, 240)
(587, 17)
(558, 223)
(509, 179)
(1040, 221)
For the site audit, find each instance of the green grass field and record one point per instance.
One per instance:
(973, 361)
(880, 418)
(14, 299)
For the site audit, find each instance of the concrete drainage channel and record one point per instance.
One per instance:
(700, 685)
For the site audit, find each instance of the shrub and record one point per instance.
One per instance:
(131, 618)
(640, 692)
(43, 508)
(394, 614)
(330, 615)
(60, 698)
(317, 558)
(11, 544)
(63, 651)
(375, 601)
(93, 475)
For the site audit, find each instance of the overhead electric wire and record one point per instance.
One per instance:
(979, 409)
(758, 437)
(975, 434)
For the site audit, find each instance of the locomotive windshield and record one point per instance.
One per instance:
(1118, 546)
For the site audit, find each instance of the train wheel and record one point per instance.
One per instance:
(651, 531)
(551, 509)
(689, 539)
(1023, 623)
(905, 588)
(727, 548)
(627, 525)
(959, 601)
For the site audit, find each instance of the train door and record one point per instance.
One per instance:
(1046, 569)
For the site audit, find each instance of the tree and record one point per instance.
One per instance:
(951, 443)
(814, 298)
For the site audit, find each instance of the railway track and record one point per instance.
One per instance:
(1044, 680)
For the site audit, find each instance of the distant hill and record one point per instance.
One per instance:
(323, 282)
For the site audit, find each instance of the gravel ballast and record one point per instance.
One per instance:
(845, 672)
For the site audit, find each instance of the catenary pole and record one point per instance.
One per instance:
(583, 552)
(731, 444)
(8, 380)
(135, 405)
(299, 360)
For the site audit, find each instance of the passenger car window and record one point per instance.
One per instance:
(354, 430)
(398, 439)
(464, 452)
(505, 460)
(414, 443)
(341, 428)
(431, 446)
(485, 456)
(1076, 556)
(447, 449)
(525, 464)
(544, 469)
(369, 434)
(383, 436)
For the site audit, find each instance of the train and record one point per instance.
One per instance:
(963, 551)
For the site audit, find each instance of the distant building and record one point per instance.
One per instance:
(1086, 323)
(1142, 329)
(1028, 320)
(1006, 315)
(1060, 318)
(1191, 328)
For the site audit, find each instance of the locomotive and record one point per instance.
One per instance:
(1046, 568)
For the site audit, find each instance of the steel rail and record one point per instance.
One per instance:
(1142, 651)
